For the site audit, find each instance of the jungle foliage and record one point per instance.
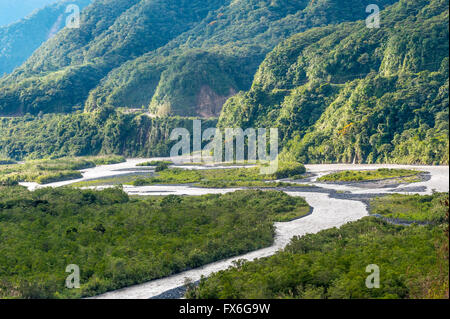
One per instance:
(411, 208)
(337, 93)
(413, 263)
(181, 57)
(99, 133)
(348, 93)
(118, 241)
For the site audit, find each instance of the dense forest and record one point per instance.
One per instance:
(102, 132)
(119, 241)
(413, 263)
(426, 209)
(19, 40)
(176, 57)
(350, 93)
(338, 93)
(115, 88)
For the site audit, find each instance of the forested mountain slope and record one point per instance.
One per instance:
(102, 132)
(176, 57)
(19, 40)
(349, 93)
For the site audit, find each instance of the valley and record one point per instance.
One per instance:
(225, 149)
(332, 206)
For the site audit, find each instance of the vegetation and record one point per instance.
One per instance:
(19, 40)
(105, 159)
(155, 163)
(290, 170)
(141, 179)
(119, 241)
(177, 57)
(171, 176)
(49, 171)
(337, 90)
(338, 93)
(370, 175)
(348, 93)
(160, 165)
(230, 177)
(413, 262)
(101, 132)
(256, 184)
(411, 208)
(6, 161)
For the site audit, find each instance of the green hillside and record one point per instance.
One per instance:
(19, 40)
(176, 57)
(331, 264)
(349, 93)
(338, 93)
(101, 132)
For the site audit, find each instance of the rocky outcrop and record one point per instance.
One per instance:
(209, 103)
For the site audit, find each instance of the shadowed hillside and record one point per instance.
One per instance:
(19, 40)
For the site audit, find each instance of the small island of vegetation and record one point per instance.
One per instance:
(405, 175)
(222, 178)
(410, 208)
(52, 170)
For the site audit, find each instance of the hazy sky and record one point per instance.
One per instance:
(14, 10)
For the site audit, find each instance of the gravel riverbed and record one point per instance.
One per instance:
(334, 204)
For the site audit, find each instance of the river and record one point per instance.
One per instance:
(333, 206)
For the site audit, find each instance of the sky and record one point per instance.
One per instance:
(14, 10)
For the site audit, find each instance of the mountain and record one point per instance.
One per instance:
(338, 93)
(348, 93)
(19, 40)
(175, 57)
(101, 132)
(13, 10)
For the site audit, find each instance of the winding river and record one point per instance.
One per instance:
(333, 206)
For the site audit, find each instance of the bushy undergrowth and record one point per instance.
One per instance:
(119, 241)
(368, 175)
(49, 171)
(223, 177)
(411, 208)
(413, 263)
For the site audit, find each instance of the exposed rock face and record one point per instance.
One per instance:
(209, 103)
